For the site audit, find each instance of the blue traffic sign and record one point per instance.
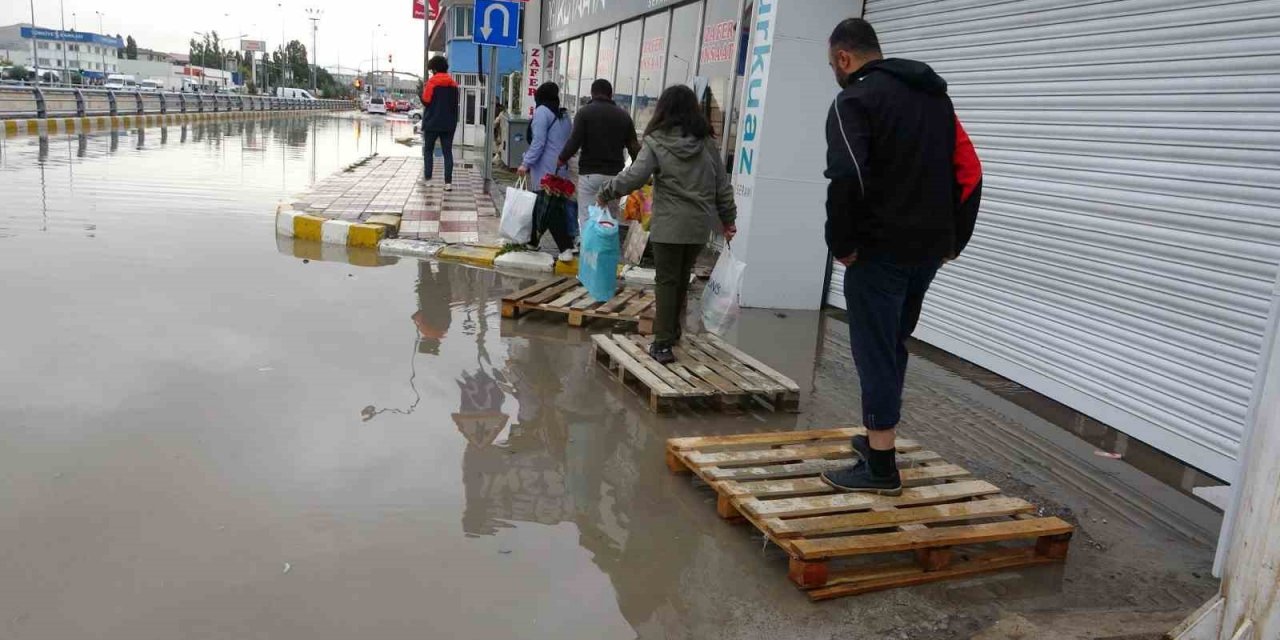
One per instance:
(497, 23)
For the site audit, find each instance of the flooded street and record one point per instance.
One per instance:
(202, 436)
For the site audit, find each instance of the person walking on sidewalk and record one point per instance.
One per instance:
(439, 118)
(548, 133)
(905, 184)
(690, 188)
(603, 132)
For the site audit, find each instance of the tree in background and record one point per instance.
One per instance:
(130, 48)
(207, 52)
(296, 59)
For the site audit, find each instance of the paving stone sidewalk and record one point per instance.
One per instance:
(391, 185)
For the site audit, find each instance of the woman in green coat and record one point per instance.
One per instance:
(690, 189)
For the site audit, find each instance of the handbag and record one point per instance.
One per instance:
(720, 308)
(517, 212)
(598, 263)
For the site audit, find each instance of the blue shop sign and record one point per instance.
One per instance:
(71, 36)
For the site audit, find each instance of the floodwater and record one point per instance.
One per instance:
(202, 436)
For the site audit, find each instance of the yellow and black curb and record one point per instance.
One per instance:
(295, 224)
(48, 126)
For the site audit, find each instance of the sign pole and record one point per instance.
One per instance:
(491, 86)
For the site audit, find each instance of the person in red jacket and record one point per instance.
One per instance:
(905, 184)
(439, 118)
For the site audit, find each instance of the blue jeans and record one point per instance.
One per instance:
(429, 139)
(884, 300)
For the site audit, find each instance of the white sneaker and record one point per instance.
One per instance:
(448, 187)
(566, 256)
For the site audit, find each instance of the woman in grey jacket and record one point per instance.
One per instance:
(690, 188)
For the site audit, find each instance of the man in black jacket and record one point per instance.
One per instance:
(603, 131)
(903, 199)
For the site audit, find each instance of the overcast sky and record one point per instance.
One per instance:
(345, 36)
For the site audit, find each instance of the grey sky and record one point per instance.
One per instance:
(344, 36)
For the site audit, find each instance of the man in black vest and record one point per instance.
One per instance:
(602, 131)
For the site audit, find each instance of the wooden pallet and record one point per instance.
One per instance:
(568, 297)
(952, 523)
(707, 371)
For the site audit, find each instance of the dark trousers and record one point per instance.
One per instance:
(674, 264)
(429, 139)
(884, 301)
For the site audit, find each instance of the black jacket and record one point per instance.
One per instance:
(603, 131)
(905, 180)
(440, 103)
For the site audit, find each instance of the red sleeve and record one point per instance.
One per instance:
(968, 167)
(427, 90)
(968, 188)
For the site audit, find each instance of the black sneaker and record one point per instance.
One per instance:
(662, 353)
(859, 478)
(862, 447)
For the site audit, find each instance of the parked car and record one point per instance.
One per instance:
(378, 105)
(416, 114)
(121, 82)
(151, 86)
(289, 92)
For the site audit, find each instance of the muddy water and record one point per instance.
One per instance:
(202, 437)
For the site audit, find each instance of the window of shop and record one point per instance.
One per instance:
(562, 58)
(682, 56)
(715, 59)
(653, 53)
(462, 19)
(624, 87)
(573, 74)
(590, 44)
(608, 54)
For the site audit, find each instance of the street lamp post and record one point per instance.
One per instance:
(63, 13)
(35, 55)
(102, 49)
(314, 16)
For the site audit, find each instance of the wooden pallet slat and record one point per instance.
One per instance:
(566, 296)
(689, 378)
(772, 481)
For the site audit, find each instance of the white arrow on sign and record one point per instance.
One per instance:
(485, 29)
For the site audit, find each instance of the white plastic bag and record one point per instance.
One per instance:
(720, 307)
(517, 213)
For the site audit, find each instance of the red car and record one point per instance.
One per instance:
(397, 105)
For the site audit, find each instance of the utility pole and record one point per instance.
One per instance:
(62, 10)
(314, 16)
(102, 49)
(490, 100)
(35, 59)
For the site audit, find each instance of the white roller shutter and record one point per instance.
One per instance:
(1129, 233)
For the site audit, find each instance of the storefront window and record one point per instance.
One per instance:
(562, 58)
(653, 54)
(573, 74)
(682, 63)
(589, 46)
(715, 59)
(624, 87)
(608, 54)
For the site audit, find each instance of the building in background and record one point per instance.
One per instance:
(92, 55)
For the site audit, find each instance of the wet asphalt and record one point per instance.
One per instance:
(202, 436)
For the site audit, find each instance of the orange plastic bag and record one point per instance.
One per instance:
(639, 205)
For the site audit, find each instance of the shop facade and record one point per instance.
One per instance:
(1130, 228)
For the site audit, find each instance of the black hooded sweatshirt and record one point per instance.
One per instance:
(905, 180)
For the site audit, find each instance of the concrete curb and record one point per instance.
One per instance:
(48, 126)
(294, 224)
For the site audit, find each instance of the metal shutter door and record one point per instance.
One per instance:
(1129, 235)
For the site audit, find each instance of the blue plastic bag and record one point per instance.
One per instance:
(598, 263)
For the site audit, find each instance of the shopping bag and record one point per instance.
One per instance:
(598, 262)
(639, 204)
(551, 213)
(517, 213)
(720, 309)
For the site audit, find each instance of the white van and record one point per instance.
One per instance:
(121, 82)
(151, 86)
(289, 92)
(378, 105)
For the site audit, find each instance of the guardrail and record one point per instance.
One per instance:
(35, 101)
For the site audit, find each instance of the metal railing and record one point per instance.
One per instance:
(44, 101)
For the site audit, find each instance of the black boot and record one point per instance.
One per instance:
(662, 353)
(862, 447)
(859, 478)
